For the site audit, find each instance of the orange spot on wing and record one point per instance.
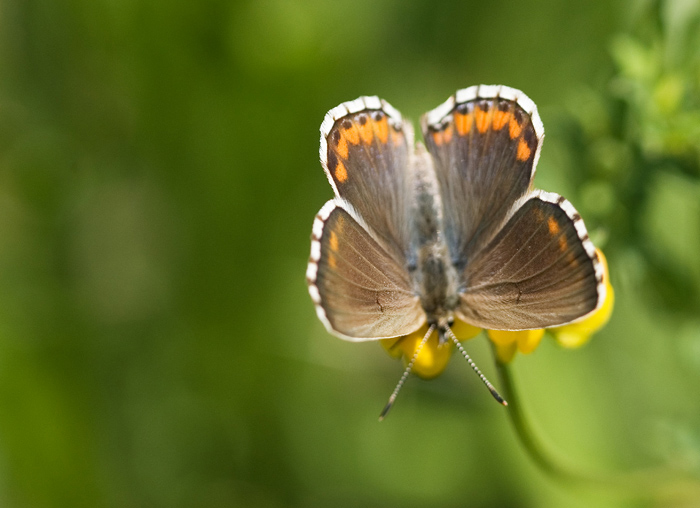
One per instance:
(367, 132)
(523, 151)
(333, 241)
(483, 119)
(500, 118)
(553, 225)
(515, 128)
(381, 129)
(554, 229)
(437, 138)
(352, 134)
(563, 245)
(463, 123)
(341, 174)
(447, 134)
(342, 147)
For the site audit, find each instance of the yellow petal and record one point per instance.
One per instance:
(506, 352)
(502, 337)
(432, 359)
(392, 347)
(464, 331)
(528, 340)
(523, 340)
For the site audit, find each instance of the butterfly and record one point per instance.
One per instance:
(451, 228)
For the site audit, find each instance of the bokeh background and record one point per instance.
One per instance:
(158, 179)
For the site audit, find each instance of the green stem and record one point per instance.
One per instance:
(527, 436)
(643, 483)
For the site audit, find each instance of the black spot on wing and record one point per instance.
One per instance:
(332, 160)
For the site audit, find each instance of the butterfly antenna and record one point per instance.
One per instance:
(405, 374)
(471, 363)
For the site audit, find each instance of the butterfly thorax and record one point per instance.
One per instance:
(435, 278)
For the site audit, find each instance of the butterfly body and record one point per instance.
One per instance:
(435, 279)
(449, 229)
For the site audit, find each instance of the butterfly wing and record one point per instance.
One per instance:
(365, 153)
(485, 142)
(524, 257)
(358, 272)
(360, 287)
(539, 270)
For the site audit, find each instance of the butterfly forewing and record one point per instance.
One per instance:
(540, 270)
(484, 141)
(365, 153)
(361, 289)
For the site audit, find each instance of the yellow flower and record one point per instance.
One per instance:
(508, 342)
(577, 334)
(433, 358)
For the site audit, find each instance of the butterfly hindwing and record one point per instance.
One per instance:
(365, 151)
(361, 288)
(485, 142)
(539, 270)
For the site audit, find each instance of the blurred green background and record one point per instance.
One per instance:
(159, 176)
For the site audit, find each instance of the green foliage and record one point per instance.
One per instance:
(640, 151)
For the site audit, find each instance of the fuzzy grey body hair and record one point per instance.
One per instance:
(434, 275)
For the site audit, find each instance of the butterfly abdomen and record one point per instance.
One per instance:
(437, 283)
